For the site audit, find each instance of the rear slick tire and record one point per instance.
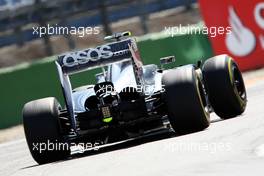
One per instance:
(185, 99)
(42, 129)
(225, 84)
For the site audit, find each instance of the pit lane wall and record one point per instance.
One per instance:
(39, 79)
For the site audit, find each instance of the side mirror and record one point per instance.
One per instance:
(166, 60)
(117, 36)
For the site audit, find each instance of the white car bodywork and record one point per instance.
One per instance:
(122, 76)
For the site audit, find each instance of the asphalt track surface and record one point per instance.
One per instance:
(230, 147)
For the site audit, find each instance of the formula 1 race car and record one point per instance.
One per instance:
(130, 99)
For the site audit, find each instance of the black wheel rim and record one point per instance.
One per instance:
(238, 82)
(203, 95)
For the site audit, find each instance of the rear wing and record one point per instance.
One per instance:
(74, 62)
(91, 58)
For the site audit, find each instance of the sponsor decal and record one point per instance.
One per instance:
(83, 57)
(245, 42)
(115, 51)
